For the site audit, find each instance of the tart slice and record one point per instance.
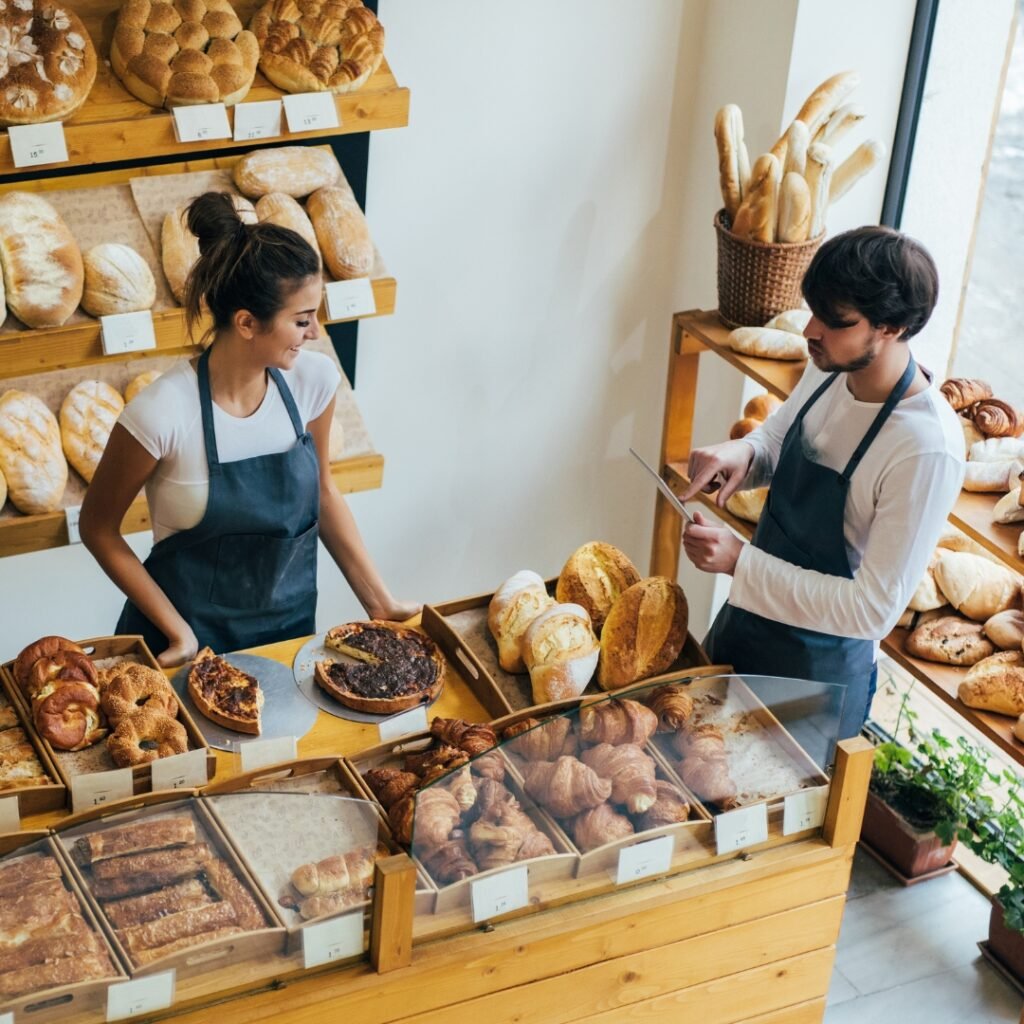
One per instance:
(396, 668)
(225, 694)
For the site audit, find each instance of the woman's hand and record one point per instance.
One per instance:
(711, 548)
(721, 466)
(395, 611)
(181, 649)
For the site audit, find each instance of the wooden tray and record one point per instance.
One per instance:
(460, 627)
(31, 799)
(222, 956)
(84, 998)
(73, 764)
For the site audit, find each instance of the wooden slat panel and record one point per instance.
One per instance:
(617, 983)
(811, 1012)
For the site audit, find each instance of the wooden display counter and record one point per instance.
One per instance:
(749, 939)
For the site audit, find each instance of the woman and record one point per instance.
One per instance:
(232, 449)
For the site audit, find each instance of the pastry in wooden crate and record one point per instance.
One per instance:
(47, 62)
(316, 47)
(182, 53)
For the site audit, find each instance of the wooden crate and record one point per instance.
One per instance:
(100, 648)
(86, 999)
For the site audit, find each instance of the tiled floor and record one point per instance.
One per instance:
(910, 955)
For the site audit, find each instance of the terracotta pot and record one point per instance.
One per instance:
(911, 852)
(1004, 943)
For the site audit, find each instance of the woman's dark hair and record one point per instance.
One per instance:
(888, 277)
(241, 266)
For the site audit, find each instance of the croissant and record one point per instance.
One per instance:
(400, 816)
(488, 766)
(600, 825)
(428, 818)
(673, 706)
(473, 739)
(494, 845)
(670, 807)
(534, 740)
(432, 764)
(630, 771)
(617, 721)
(389, 785)
(490, 795)
(566, 786)
(995, 418)
(450, 862)
(700, 741)
(961, 392)
(710, 780)
(536, 844)
(463, 788)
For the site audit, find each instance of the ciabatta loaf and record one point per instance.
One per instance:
(975, 586)
(793, 320)
(515, 604)
(87, 416)
(560, 651)
(296, 171)
(42, 263)
(342, 232)
(117, 280)
(767, 343)
(30, 453)
(996, 684)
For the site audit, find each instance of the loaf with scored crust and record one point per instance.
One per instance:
(87, 416)
(342, 232)
(117, 280)
(294, 170)
(31, 458)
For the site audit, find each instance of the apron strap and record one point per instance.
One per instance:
(894, 398)
(817, 394)
(289, 401)
(206, 408)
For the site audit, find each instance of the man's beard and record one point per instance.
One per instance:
(864, 360)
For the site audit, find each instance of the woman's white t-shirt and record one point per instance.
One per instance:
(165, 419)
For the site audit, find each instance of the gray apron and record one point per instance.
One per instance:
(802, 523)
(245, 575)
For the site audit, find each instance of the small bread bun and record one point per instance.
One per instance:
(743, 427)
(1006, 629)
(760, 407)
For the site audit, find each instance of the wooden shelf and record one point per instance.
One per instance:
(112, 125)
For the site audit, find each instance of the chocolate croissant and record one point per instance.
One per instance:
(996, 418)
(961, 392)
(617, 721)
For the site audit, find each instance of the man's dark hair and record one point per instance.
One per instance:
(888, 277)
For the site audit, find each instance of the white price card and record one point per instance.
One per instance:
(10, 817)
(500, 893)
(260, 120)
(348, 299)
(180, 771)
(101, 788)
(311, 112)
(413, 720)
(127, 332)
(203, 122)
(804, 810)
(71, 516)
(257, 753)
(35, 144)
(746, 826)
(337, 939)
(141, 995)
(641, 860)
(6, 1018)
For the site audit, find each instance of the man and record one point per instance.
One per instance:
(865, 461)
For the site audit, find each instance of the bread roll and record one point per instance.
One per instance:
(747, 505)
(767, 343)
(728, 136)
(854, 167)
(840, 124)
(797, 141)
(87, 416)
(743, 427)
(1006, 629)
(992, 477)
(117, 280)
(42, 264)
(996, 684)
(644, 632)
(975, 586)
(295, 171)
(30, 454)
(794, 209)
(284, 211)
(820, 167)
(560, 651)
(794, 321)
(139, 383)
(949, 640)
(516, 603)
(760, 407)
(953, 539)
(342, 232)
(927, 596)
(593, 577)
(997, 449)
(1008, 508)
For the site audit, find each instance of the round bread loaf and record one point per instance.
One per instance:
(743, 427)
(747, 505)
(87, 416)
(30, 453)
(342, 232)
(318, 46)
(140, 383)
(594, 576)
(117, 280)
(760, 407)
(295, 171)
(644, 632)
(42, 263)
(185, 52)
(560, 651)
(47, 62)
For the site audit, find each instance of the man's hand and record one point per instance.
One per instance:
(721, 466)
(711, 548)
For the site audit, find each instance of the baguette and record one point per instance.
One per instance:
(820, 105)
(147, 956)
(177, 925)
(143, 836)
(797, 141)
(820, 166)
(854, 167)
(794, 209)
(839, 124)
(728, 136)
(764, 198)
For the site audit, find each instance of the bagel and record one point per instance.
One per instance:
(56, 669)
(42, 648)
(69, 717)
(148, 726)
(130, 687)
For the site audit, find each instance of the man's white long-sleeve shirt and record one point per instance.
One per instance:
(897, 504)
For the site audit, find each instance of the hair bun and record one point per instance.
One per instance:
(218, 217)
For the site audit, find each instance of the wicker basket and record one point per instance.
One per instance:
(757, 280)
